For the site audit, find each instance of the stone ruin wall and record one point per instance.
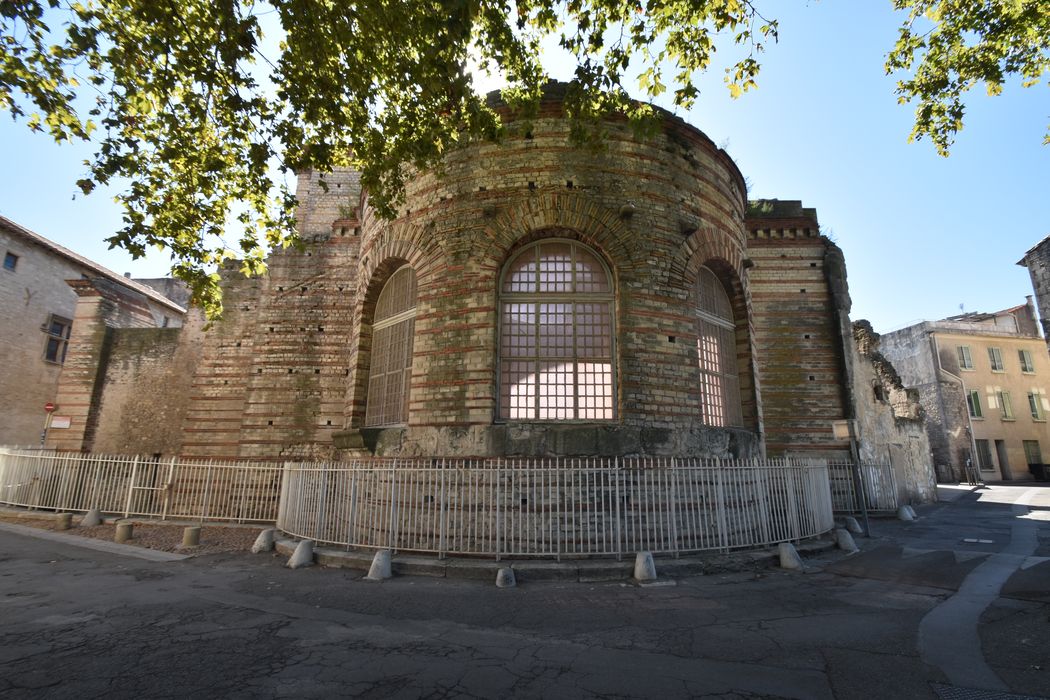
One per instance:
(892, 422)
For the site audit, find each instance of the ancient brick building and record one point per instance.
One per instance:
(531, 298)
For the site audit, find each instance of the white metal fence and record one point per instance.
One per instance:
(554, 508)
(878, 482)
(135, 486)
(491, 507)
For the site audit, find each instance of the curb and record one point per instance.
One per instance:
(126, 550)
(578, 571)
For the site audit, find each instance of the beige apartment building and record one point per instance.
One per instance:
(983, 381)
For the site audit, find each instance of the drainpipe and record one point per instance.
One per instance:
(940, 399)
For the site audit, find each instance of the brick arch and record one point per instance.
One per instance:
(396, 241)
(708, 243)
(387, 249)
(575, 216)
(719, 252)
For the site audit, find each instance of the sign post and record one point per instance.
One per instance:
(49, 409)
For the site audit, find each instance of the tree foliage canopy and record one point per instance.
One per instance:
(190, 108)
(948, 47)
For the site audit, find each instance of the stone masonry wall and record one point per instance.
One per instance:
(272, 379)
(891, 422)
(101, 307)
(943, 402)
(798, 340)
(146, 389)
(212, 424)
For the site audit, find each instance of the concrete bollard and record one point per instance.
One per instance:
(644, 567)
(904, 513)
(845, 541)
(911, 512)
(264, 542)
(92, 518)
(789, 558)
(853, 526)
(191, 537)
(505, 578)
(64, 522)
(380, 568)
(302, 556)
(123, 532)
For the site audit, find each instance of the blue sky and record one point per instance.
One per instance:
(921, 234)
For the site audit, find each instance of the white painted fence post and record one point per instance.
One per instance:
(169, 489)
(131, 486)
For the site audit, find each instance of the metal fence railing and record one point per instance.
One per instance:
(554, 508)
(135, 486)
(490, 507)
(878, 482)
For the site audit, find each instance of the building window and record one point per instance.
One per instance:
(984, 455)
(1004, 405)
(1032, 453)
(716, 350)
(995, 358)
(390, 373)
(973, 402)
(1025, 358)
(965, 359)
(57, 330)
(1034, 405)
(556, 334)
(10, 261)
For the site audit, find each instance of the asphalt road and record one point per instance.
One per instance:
(83, 623)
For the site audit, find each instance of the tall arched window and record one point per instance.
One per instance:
(391, 357)
(556, 337)
(716, 347)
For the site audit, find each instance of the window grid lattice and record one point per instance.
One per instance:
(556, 339)
(390, 373)
(716, 353)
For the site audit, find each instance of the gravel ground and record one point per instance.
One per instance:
(164, 537)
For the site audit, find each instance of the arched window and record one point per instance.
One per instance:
(391, 357)
(716, 348)
(556, 335)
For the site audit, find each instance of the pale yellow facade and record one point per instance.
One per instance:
(1005, 380)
